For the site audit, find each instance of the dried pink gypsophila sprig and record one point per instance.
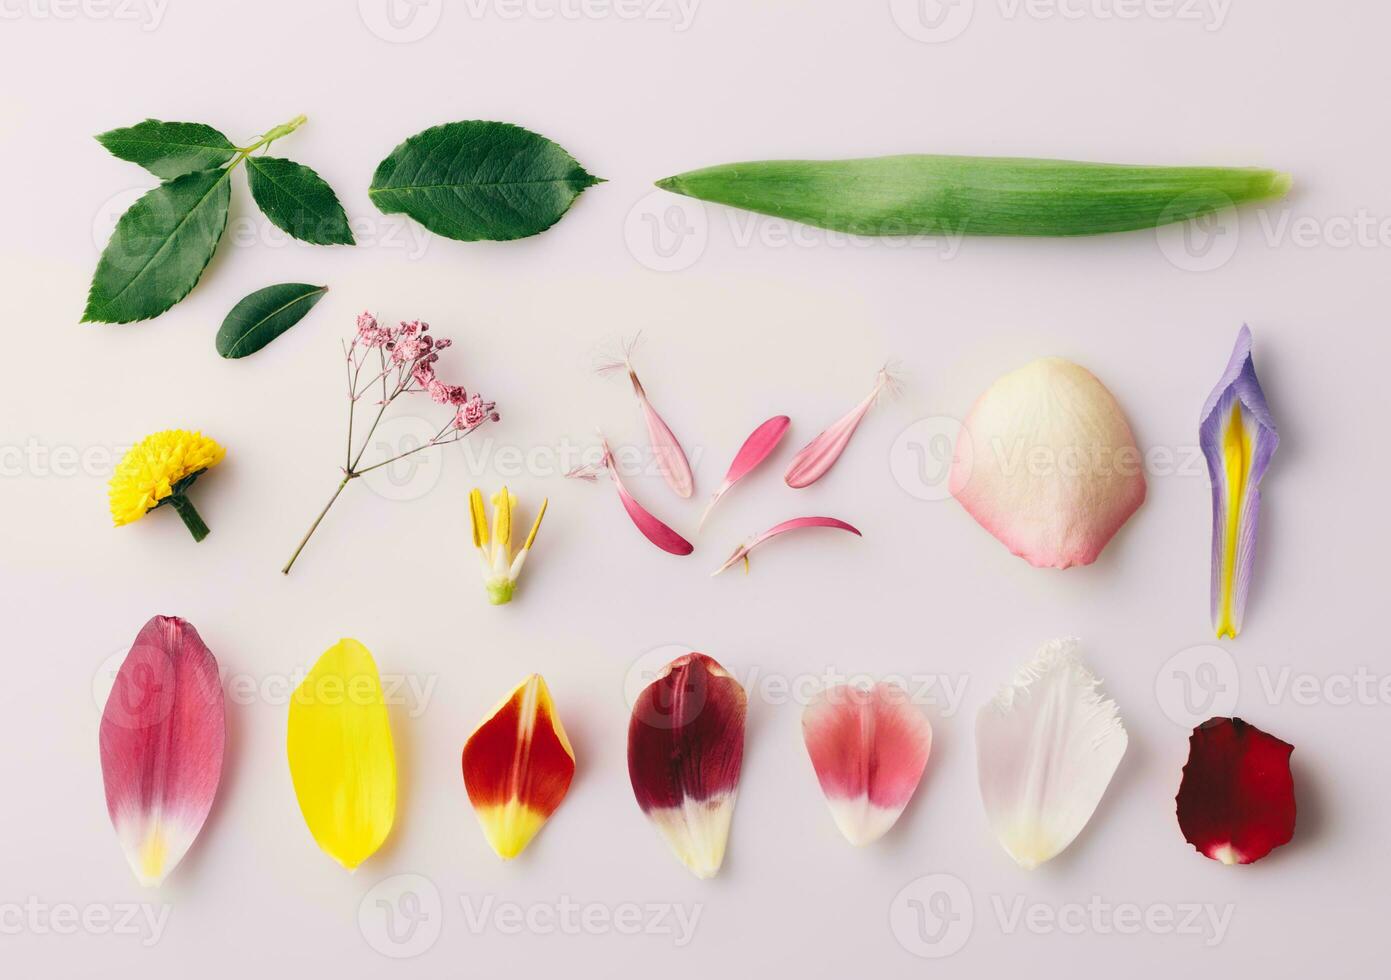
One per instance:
(671, 458)
(819, 455)
(651, 527)
(741, 553)
(405, 358)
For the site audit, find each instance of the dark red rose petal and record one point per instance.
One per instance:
(1236, 800)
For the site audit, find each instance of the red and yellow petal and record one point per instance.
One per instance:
(518, 765)
(1236, 800)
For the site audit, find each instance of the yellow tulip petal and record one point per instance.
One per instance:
(503, 502)
(341, 756)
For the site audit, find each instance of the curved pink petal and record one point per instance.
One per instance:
(818, 456)
(162, 737)
(652, 528)
(756, 448)
(797, 522)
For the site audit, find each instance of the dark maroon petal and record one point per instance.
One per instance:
(1236, 800)
(686, 737)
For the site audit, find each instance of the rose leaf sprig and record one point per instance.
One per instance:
(164, 241)
(388, 363)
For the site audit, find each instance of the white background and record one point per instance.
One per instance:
(753, 324)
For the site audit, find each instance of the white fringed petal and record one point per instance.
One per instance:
(1046, 748)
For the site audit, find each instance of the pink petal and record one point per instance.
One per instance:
(162, 736)
(652, 529)
(1047, 463)
(671, 459)
(797, 522)
(755, 450)
(819, 455)
(869, 748)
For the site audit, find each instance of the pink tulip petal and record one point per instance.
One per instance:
(162, 737)
(869, 748)
(756, 448)
(743, 550)
(819, 455)
(652, 529)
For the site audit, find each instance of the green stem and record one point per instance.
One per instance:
(315, 526)
(284, 129)
(191, 520)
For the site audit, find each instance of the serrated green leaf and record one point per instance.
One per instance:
(264, 315)
(160, 248)
(169, 149)
(479, 180)
(298, 201)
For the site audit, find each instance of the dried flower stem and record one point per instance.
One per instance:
(409, 354)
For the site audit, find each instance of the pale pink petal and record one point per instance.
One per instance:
(819, 455)
(1047, 463)
(869, 748)
(671, 458)
(743, 550)
(755, 450)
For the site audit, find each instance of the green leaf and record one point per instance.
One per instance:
(160, 248)
(264, 315)
(479, 181)
(169, 149)
(298, 201)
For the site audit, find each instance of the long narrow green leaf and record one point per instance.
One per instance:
(264, 315)
(160, 248)
(298, 201)
(946, 195)
(169, 149)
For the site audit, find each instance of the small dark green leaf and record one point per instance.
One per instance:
(169, 149)
(479, 181)
(264, 315)
(160, 248)
(298, 201)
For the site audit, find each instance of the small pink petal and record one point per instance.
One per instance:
(652, 529)
(819, 455)
(671, 458)
(756, 448)
(743, 550)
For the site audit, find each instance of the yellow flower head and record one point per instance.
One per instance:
(159, 469)
(500, 567)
